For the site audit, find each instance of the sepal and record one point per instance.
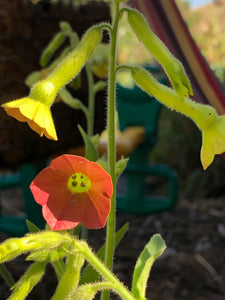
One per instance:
(91, 152)
(121, 166)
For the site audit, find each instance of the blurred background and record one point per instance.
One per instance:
(193, 267)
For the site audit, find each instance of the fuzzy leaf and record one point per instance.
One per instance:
(83, 292)
(151, 252)
(28, 281)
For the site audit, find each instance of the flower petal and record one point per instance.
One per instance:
(54, 223)
(35, 113)
(63, 209)
(213, 141)
(77, 208)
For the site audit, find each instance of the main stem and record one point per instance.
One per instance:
(111, 224)
(104, 271)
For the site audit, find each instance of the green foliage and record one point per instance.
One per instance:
(171, 65)
(89, 274)
(27, 282)
(121, 166)
(152, 250)
(32, 227)
(90, 149)
(70, 278)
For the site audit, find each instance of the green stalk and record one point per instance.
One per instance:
(111, 224)
(100, 267)
(59, 268)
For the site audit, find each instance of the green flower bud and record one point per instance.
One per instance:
(172, 66)
(45, 240)
(46, 90)
(71, 65)
(203, 115)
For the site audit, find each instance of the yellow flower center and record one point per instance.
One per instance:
(78, 183)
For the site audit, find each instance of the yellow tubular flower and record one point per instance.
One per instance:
(35, 109)
(206, 118)
(35, 113)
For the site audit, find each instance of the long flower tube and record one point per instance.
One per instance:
(206, 118)
(35, 109)
(158, 49)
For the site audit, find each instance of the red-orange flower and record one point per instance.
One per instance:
(73, 190)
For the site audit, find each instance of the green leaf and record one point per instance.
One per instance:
(83, 292)
(95, 140)
(151, 252)
(32, 227)
(27, 282)
(121, 165)
(91, 152)
(103, 163)
(89, 274)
